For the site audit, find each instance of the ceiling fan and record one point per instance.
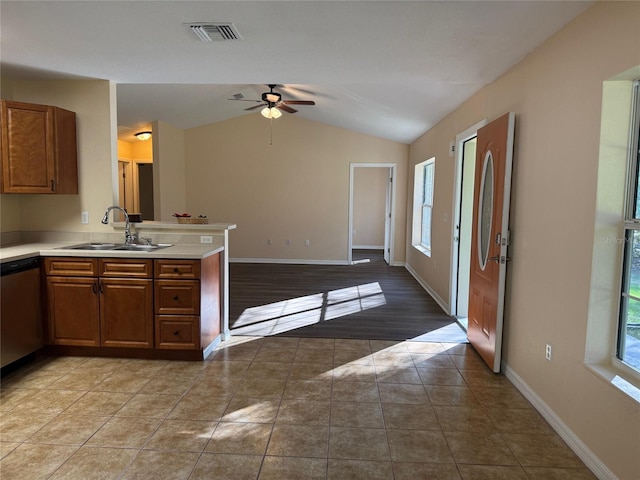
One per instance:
(273, 103)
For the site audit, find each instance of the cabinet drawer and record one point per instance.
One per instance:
(177, 297)
(184, 269)
(126, 267)
(71, 266)
(177, 332)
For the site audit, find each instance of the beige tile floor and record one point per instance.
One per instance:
(278, 408)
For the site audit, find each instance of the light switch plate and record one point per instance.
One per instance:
(84, 217)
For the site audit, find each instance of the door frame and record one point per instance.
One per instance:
(461, 138)
(391, 201)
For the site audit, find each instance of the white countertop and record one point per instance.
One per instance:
(55, 249)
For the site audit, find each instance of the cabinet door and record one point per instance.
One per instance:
(73, 308)
(28, 152)
(126, 312)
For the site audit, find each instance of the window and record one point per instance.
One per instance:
(427, 203)
(628, 346)
(423, 187)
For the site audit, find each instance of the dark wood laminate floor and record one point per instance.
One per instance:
(368, 300)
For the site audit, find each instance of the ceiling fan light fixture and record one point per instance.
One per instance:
(271, 112)
(143, 136)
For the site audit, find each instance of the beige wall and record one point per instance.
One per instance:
(556, 93)
(369, 205)
(94, 104)
(296, 189)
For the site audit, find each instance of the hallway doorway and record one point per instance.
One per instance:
(371, 201)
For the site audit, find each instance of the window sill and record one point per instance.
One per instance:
(423, 250)
(617, 378)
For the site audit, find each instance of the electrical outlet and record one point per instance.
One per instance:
(206, 239)
(84, 217)
(547, 352)
(287, 242)
(307, 243)
(269, 241)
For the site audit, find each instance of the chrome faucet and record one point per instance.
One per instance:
(128, 238)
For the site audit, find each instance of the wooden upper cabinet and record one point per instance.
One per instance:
(39, 150)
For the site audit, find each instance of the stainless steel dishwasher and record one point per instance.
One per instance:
(20, 310)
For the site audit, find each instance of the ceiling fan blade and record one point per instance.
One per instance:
(256, 106)
(299, 102)
(284, 107)
(244, 100)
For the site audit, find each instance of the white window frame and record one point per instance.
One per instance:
(423, 194)
(630, 224)
(608, 236)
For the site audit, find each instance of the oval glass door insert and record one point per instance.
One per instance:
(485, 210)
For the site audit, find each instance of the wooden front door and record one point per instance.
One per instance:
(490, 237)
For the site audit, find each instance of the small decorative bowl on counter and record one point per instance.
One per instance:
(186, 218)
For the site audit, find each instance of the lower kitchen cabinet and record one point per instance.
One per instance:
(160, 308)
(87, 309)
(187, 302)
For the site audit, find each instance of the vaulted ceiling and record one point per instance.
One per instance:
(386, 68)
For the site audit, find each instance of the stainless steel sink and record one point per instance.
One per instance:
(142, 247)
(119, 246)
(92, 246)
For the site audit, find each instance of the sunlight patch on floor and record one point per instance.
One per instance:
(299, 312)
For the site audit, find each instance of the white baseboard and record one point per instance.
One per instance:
(211, 347)
(367, 247)
(444, 305)
(592, 462)
(288, 261)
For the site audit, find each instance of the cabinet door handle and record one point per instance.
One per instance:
(175, 297)
(53, 185)
(101, 287)
(94, 288)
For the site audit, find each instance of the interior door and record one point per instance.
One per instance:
(490, 238)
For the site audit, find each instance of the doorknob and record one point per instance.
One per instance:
(499, 259)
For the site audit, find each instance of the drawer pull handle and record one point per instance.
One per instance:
(175, 270)
(176, 333)
(175, 298)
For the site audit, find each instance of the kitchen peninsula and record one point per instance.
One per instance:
(168, 303)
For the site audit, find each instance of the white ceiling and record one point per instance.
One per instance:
(386, 68)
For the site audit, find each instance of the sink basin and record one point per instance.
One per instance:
(119, 246)
(92, 246)
(142, 247)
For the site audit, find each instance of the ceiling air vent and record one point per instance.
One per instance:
(214, 32)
